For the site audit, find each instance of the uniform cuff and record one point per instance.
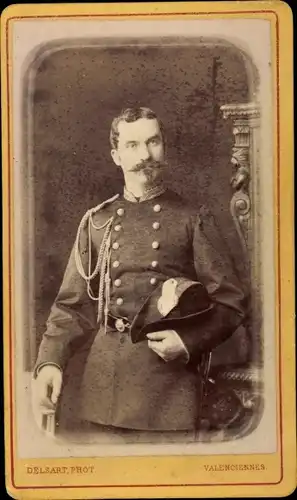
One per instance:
(41, 365)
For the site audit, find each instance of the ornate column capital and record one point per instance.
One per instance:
(245, 111)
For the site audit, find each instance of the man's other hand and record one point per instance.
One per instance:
(168, 345)
(46, 391)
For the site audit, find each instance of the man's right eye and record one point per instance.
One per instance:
(132, 145)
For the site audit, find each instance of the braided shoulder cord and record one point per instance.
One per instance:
(102, 263)
(88, 277)
(102, 283)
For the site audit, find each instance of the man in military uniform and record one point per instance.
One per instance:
(146, 279)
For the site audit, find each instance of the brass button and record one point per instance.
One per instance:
(154, 263)
(115, 245)
(118, 227)
(156, 225)
(116, 263)
(120, 301)
(118, 282)
(120, 211)
(155, 245)
(157, 208)
(153, 281)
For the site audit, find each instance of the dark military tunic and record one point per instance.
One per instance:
(127, 384)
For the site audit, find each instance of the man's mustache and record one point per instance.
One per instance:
(149, 164)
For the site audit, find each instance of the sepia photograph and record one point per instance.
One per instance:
(144, 246)
(139, 157)
(141, 192)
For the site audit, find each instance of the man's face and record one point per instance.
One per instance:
(140, 148)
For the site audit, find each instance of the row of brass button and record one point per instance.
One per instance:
(115, 246)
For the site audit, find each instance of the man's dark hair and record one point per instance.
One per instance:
(131, 115)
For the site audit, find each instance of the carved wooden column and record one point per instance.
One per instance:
(245, 211)
(245, 202)
(244, 159)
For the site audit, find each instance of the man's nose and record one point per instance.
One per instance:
(144, 153)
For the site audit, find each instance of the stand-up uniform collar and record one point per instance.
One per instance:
(148, 195)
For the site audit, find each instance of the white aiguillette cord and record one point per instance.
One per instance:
(103, 261)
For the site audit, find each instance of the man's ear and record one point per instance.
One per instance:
(115, 156)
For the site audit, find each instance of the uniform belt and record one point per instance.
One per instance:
(119, 324)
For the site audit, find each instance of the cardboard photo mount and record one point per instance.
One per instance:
(262, 463)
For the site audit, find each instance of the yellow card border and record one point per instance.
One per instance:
(280, 473)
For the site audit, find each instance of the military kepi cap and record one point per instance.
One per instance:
(175, 301)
